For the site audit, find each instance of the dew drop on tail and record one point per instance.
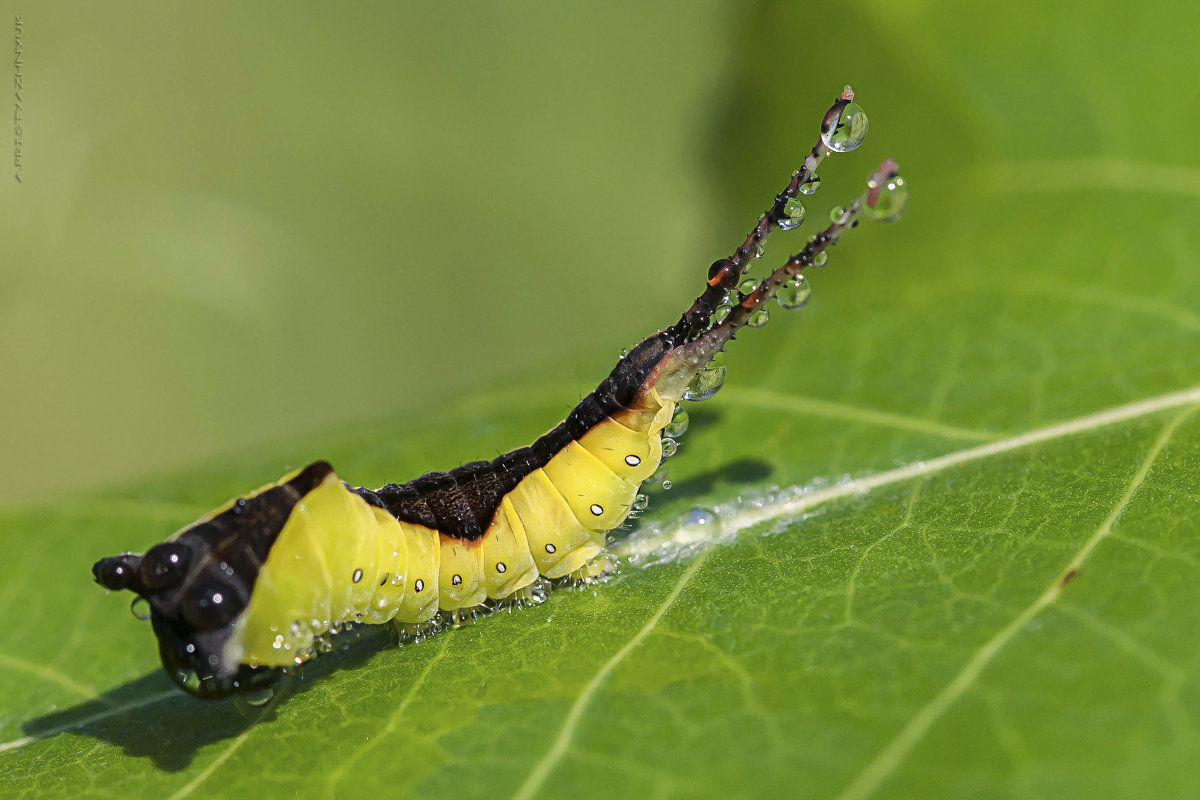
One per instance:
(890, 202)
(849, 131)
(793, 214)
(707, 382)
(794, 294)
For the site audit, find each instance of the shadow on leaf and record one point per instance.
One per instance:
(149, 717)
(742, 471)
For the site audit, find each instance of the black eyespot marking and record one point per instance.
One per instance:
(550, 548)
(500, 566)
(357, 576)
(163, 566)
(597, 509)
(419, 585)
(632, 460)
(456, 580)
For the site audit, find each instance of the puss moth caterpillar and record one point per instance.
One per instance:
(250, 589)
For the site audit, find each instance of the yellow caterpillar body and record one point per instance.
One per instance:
(339, 559)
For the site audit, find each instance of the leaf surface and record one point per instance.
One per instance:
(937, 537)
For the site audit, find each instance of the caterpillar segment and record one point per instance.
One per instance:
(252, 588)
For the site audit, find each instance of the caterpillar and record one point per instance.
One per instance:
(251, 590)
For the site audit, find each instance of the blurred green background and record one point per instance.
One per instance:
(242, 225)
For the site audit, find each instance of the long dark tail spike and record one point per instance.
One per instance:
(723, 275)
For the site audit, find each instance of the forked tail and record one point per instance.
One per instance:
(729, 303)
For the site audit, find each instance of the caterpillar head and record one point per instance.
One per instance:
(198, 585)
(193, 612)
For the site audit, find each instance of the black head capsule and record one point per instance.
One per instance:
(211, 604)
(117, 572)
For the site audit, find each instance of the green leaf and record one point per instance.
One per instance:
(978, 571)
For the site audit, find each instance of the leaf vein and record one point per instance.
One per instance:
(562, 740)
(894, 753)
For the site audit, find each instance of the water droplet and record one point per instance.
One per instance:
(891, 198)
(849, 130)
(140, 608)
(700, 516)
(811, 185)
(760, 251)
(669, 447)
(707, 382)
(188, 679)
(640, 502)
(758, 318)
(820, 259)
(835, 213)
(679, 423)
(260, 697)
(661, 473)
(793, 214)
(794, 294)
(666, 486)
(721, 311)
(748, 286)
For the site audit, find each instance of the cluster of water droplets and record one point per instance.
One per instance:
(671, 434)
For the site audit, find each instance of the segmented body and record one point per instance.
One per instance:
(250, 588)
(451, 540)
